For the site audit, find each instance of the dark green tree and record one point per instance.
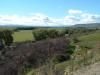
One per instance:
(40, 34)
(6, 38)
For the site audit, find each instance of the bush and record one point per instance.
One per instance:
(62, 33)
(40, 34)
(75, 39)
(6, 37)
(1, 44)
(61, 58)
(52, 33)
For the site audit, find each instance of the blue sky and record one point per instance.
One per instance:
(51, 10)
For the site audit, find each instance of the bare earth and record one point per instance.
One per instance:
(90, 70)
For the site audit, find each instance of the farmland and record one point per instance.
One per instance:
(92, 37)
(23, 35)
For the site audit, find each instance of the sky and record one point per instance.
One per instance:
(49, 12)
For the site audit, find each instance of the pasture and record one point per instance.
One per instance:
(26, 35)
(91, 37)
(23, 35)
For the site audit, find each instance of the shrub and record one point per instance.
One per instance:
(6, 37)
(1, 44)
(52, 33)
(75, 39)
(40, 34)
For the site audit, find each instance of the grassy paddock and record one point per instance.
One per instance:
(23, 35)
(91, 37)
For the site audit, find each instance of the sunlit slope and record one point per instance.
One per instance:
(91, 37)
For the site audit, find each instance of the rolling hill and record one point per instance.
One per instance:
(91, 25)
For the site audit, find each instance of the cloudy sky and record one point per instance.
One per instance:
(49, 12)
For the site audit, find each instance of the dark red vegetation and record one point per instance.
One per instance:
(17, 57)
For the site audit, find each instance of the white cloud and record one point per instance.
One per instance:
(38, 19)
(71, 11)
(90, 18)
(71, 20)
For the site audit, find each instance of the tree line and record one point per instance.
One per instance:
(73, 33)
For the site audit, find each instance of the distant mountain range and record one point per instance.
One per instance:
(13, 26)
(91, 25)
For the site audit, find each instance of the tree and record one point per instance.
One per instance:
(1, 44)
(52, 33)
(6, 37)
(40, 34)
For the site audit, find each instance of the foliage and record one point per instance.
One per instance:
(24, 35)
(52, 33)
(6, 38)
(75, 39)
(40, 34)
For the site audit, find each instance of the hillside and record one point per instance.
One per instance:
(91, 25)
(51, 56)
(93, 41)
(92, 37)
(77, 67)
(14, 60)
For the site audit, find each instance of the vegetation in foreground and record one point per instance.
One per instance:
(52, 52)
(85, 54)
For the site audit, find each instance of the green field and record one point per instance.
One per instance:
(91, 37)
(23, 35)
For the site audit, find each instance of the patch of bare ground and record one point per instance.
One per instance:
(93, 69)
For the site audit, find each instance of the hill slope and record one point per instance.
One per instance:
(92, 37)
(78, 67)
(91, 25)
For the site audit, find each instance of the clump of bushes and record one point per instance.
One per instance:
(40, 34)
